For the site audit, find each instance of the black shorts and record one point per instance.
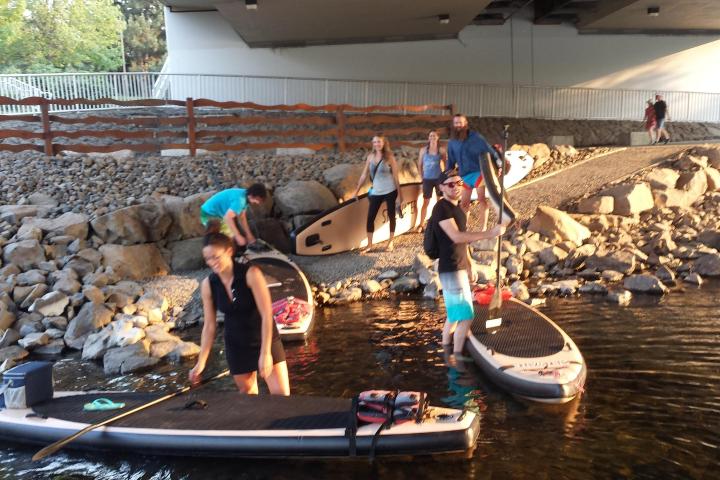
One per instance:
(243, 360)
(427, 187)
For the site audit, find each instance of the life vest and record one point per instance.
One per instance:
(290, 310)
(483, 296)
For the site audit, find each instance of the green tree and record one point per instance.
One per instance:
(11, 33)
(145, 47)
(65, 36)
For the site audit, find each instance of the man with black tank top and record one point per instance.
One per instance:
(661, 115)
(450, 227)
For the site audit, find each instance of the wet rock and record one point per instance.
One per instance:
(562, 287)
(370, 286)
(432, 288)
(665, 274)
(645, 283)
(405, 284)
(594, 288)
(134, 355)
(184, 350)
(693, 279)
(162, 349)
(621, 297)
(346, 296)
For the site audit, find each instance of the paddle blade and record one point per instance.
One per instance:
(495, 304)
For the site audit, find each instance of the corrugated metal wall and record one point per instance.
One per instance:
(475, 100)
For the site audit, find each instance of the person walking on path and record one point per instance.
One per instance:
(382, 168)
(431, 162)
(650, 121)
(449, 224)
(662, 115)
(229, 206)
(464, 150)
(252, 341)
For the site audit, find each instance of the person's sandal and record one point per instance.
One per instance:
(102, 404)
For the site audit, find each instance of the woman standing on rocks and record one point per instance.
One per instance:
(252, 341)
(383, 170)
(431, 161)
(650, 121)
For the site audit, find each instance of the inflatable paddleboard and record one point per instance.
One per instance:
(519, 165)
(342, 228)
(293, 304)
(526, 353)
(224, 424)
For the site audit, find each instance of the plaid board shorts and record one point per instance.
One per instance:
(457, 295)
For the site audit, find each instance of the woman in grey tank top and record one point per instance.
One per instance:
(431, 161)
(382, 169)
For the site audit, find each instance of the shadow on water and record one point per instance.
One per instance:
(651, 409)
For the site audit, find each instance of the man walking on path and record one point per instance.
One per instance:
(231, 204)
(661, 114)
(448, 222)
(464, 150)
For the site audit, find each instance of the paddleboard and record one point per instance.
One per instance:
(293, 303)
(519, 165)
(204, 423)
(526, 353)
(342, 228)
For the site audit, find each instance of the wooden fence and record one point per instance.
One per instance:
(217, 126)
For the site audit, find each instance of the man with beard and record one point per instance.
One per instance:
(464, 150)
(448, 222)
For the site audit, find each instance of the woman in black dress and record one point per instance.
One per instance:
(252, 342)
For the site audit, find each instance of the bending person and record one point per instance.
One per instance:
(464, 150)
(229, 206)
(454, 267)
(431, 162)
(252, 341)
(382, 168)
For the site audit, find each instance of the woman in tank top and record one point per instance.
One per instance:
(381, 167)
(431, 161)
(252, 341)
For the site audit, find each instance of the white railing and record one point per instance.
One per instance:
(471, 99)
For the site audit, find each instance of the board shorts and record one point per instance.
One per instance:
(472, 180)
(205, 218)
(660, 123)
(428, 184)
(457, 295)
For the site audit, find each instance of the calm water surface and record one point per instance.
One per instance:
(651, 408)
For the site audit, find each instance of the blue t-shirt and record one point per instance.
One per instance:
(466, 155)
(234, 199)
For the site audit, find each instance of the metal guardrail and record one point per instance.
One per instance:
(471, 99)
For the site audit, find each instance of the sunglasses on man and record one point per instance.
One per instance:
(459, 183)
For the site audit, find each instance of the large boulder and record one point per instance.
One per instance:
(185, 215)
(90, 318)
(342, 179)
(557, 225)
(187, 254)
(645, 283)
(25, 254)
(662, 178)
(673, 197)
(134, 262)
(598, 204)
(51, 304)
(71, 224)
(713, 179)
(299, 197)
(271, 230)
(134, 354)
(711, 238)
(695, 183)
(540, 152)
(631, 198)
(147, 222)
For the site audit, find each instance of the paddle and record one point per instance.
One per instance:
(496, 300)
(54, 447)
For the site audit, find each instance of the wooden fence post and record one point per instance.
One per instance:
(340, 120)
(47, 133)
(189, 106)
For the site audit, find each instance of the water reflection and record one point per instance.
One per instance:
(651, 409)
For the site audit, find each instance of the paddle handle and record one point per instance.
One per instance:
(54, 447)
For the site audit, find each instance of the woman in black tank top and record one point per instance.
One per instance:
(252, 342)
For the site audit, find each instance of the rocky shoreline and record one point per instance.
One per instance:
(80, 236)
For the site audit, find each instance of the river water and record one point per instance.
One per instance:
(651, 407)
